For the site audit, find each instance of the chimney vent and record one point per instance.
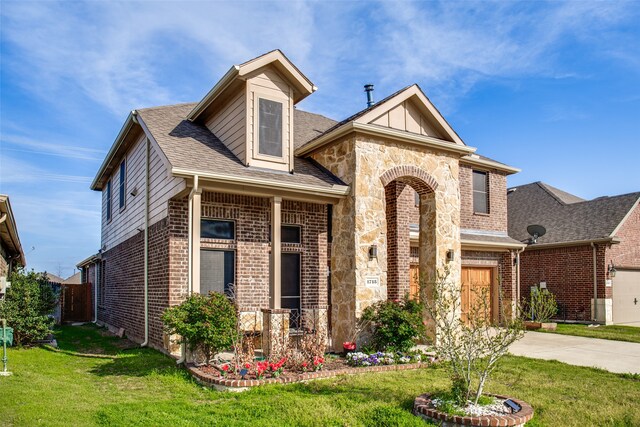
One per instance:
(369, 89)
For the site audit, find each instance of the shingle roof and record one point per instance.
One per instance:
(493, 238)
(566, 217)
(194, 147)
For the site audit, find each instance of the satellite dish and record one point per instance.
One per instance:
(536, 231)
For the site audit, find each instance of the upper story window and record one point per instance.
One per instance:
(217, 229)
(480, 192)
(108, 200)
(123, 184)
(270, 127)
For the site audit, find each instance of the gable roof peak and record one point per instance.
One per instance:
(302, 86)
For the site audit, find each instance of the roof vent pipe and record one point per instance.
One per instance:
(369, 89)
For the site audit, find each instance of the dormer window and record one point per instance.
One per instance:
(270, 127)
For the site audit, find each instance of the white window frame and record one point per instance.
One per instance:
(257, 95)
(122, 185)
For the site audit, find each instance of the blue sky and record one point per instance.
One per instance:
(552, 88)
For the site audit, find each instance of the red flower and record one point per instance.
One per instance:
(225, 368)
(304, 364)
(247, 365)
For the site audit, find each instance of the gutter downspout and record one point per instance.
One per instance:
(183, 348)
(518, 252)
(95, 293)
(595, 284)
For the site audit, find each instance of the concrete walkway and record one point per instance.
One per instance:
(614, 356)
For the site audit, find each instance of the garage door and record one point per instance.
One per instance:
(626, 297)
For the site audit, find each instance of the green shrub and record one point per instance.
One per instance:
(203, 322)
(396, 325)
(27, 306)
(542, 305)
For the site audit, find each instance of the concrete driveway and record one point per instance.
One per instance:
(614, 356)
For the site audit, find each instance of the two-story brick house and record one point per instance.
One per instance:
(291, 210)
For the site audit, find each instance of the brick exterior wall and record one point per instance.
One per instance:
(627, 252)
(400, 212)
(123, 288)
(252, 246)
(568, 272)
(497, 218)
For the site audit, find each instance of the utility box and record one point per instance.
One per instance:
(6, 335)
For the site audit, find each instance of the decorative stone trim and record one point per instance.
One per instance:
(220, 383)
(421, 408)
(408, 174)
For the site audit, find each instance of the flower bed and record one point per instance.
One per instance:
(426, 406)
(380, 358)
(325, 368)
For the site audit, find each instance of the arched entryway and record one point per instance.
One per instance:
(409, 199)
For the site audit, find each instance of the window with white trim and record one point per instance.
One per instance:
(480, 192)
(123, 184)
(270, 127)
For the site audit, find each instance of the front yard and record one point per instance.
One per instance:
(610, 332)
(132, 386)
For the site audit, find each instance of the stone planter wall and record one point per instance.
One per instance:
(421, 408)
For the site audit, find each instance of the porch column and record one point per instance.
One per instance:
(275, 285)
(428, 253)
(195, 206)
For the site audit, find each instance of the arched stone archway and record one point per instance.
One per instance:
(369, 165)
(402, 213)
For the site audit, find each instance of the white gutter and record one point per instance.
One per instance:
(335, 190)
(595, 284)
(128, 124)
(612, 240)
(375, 130)
(472, 159)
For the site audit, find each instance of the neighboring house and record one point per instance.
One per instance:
(291, 211)
(74, 279)
(591, 249)
(11, 254)
(53, 279)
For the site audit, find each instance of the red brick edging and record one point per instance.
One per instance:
(422, 403)
(224, 383)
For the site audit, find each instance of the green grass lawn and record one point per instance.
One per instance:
(610, 332)
(142, 387)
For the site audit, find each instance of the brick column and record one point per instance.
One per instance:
(275, 331)
(195, 204)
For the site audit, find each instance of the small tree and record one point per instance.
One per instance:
(472, 345)
(27, 306)
(396, 325)
(542, 305)
(205, 322)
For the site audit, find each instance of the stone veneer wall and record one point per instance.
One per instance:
(359, 220)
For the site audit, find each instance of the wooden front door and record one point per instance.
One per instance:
(477, 283)
(414, 283)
